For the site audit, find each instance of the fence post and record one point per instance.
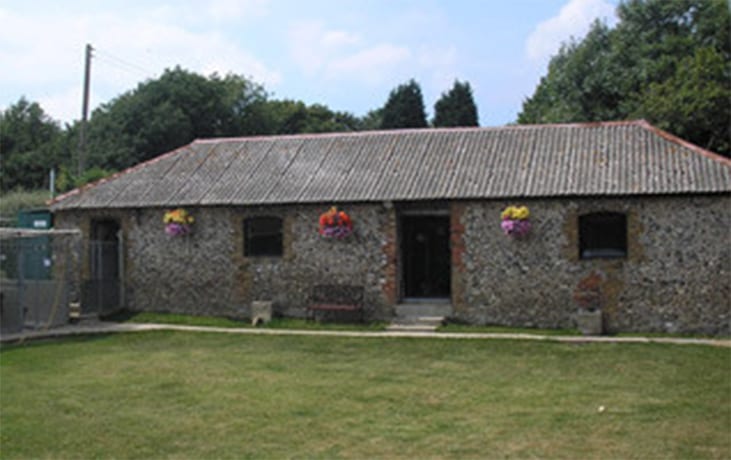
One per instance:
(99, 246)
(120, 269)
(20, 251)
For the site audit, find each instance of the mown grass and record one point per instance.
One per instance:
(466, 328)
(203, 395)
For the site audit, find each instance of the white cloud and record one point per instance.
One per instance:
(336, 54)
(43, 58)
(574, 19)
(229, 10)
(312, 47)
(371, 65)
(442, 65)
(334, 39)
(64, 105)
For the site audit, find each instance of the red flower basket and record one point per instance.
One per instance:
(335, 224)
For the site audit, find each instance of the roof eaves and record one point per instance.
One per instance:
(682, 142)
(55, 201)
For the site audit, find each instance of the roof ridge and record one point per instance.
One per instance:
(296, 136)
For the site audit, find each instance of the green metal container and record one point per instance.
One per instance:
(35, 253)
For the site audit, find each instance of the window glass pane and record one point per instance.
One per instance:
(602, 235)
(265, 226)
(263, 236)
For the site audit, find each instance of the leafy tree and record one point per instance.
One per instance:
(371, 121)
(30, 145)
(581, 84)
(161, 115)
(291, 117)
(404, 108)
(691, 103)
(668, 62)
(456, 107)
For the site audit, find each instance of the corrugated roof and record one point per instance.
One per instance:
(599, 159)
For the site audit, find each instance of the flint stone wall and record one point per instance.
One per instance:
(206, 272)
(675, 277)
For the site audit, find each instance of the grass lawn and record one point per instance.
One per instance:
(206, 395)
(216, 321)
(467, 328)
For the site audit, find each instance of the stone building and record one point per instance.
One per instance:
(643, 215)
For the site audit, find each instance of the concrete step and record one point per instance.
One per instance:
(410, 328)
(423, 320)
(416, 323)
(408, 310)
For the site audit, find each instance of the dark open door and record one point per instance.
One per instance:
(425, 256)
(101, 292)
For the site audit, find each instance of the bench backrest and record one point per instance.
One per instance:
(337, 293)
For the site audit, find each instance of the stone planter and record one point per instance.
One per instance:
(261, 312)
(589, 322)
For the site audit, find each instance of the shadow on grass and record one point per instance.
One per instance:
(213, 321)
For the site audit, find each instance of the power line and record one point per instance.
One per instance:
(122, 64)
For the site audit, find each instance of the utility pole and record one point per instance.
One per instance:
(84, 110)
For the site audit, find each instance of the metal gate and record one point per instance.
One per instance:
(102, 294)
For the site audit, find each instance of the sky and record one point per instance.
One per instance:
(345, 54)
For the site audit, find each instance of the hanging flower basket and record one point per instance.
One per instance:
(515, 221)
(335, 224)
(177, 222)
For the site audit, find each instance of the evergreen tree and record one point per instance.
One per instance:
(456, 107)
(404, 108)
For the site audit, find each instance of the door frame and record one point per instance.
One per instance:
(435, 211)
(103, 291)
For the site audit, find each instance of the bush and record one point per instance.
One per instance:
(12, 202)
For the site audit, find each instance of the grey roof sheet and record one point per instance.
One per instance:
(605, 159)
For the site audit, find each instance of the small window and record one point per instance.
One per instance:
(603, 236)
(263, 237)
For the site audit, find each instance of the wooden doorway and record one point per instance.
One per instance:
(425, 257)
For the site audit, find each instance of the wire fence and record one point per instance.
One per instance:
(38, 278)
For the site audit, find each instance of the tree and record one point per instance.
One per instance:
(371, 121)
(581, 84)
(668, 62)
(161, 115)
(292, 117)
(30, 144)
(404, 108)
(164, 114)
(689, 102)
(456, 107)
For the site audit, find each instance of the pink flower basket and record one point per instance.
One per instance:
(516, 227)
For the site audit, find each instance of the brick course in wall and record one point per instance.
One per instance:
(457, 244)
